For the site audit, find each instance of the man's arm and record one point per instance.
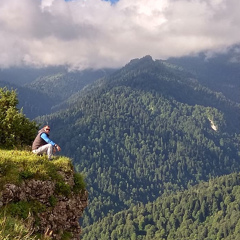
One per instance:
(48, 140)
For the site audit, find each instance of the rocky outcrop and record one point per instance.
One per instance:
(61, 212)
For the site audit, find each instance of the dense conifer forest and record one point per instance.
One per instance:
(209, 210)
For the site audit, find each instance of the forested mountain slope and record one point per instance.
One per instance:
(43, 91)
(209, 210)
(146, 129)
(24, 75)
(63, 84)
(34, 103)
(220, 72)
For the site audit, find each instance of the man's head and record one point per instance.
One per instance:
(46, 129)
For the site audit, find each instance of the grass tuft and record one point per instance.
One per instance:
(12, 228)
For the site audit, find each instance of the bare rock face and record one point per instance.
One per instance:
(29, 190)
(61, 215)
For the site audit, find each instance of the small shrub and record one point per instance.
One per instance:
(19, 209)
(63, 189)
(52, 201)
(66, 236)
(79, 183)
(26, 174)
(22, 209)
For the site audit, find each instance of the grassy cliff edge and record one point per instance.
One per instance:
(39, 199)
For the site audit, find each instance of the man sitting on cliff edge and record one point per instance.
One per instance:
(43, 144)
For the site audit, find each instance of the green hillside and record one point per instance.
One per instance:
(209, 210)
(146, 129)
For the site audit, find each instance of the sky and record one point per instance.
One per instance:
(108, 34)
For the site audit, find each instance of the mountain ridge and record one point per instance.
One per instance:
(219, 72)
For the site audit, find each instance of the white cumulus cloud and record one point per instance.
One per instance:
(95, 33)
